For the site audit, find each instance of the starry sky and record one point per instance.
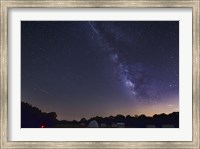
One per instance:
(100, 68)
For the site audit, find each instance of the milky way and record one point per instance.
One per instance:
(123, 70)
(100, 68)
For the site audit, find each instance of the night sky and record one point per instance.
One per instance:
(100, 68)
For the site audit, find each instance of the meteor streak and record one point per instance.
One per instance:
(93, 28)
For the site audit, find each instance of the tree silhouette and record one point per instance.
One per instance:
(32, 117)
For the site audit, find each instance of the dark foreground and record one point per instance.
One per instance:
(32, 117)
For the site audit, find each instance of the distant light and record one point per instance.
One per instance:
(42, 126)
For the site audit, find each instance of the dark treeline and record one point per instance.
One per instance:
(32, 117)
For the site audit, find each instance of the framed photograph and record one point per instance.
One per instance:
(99, 74)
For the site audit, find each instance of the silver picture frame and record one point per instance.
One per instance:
(6, 4)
